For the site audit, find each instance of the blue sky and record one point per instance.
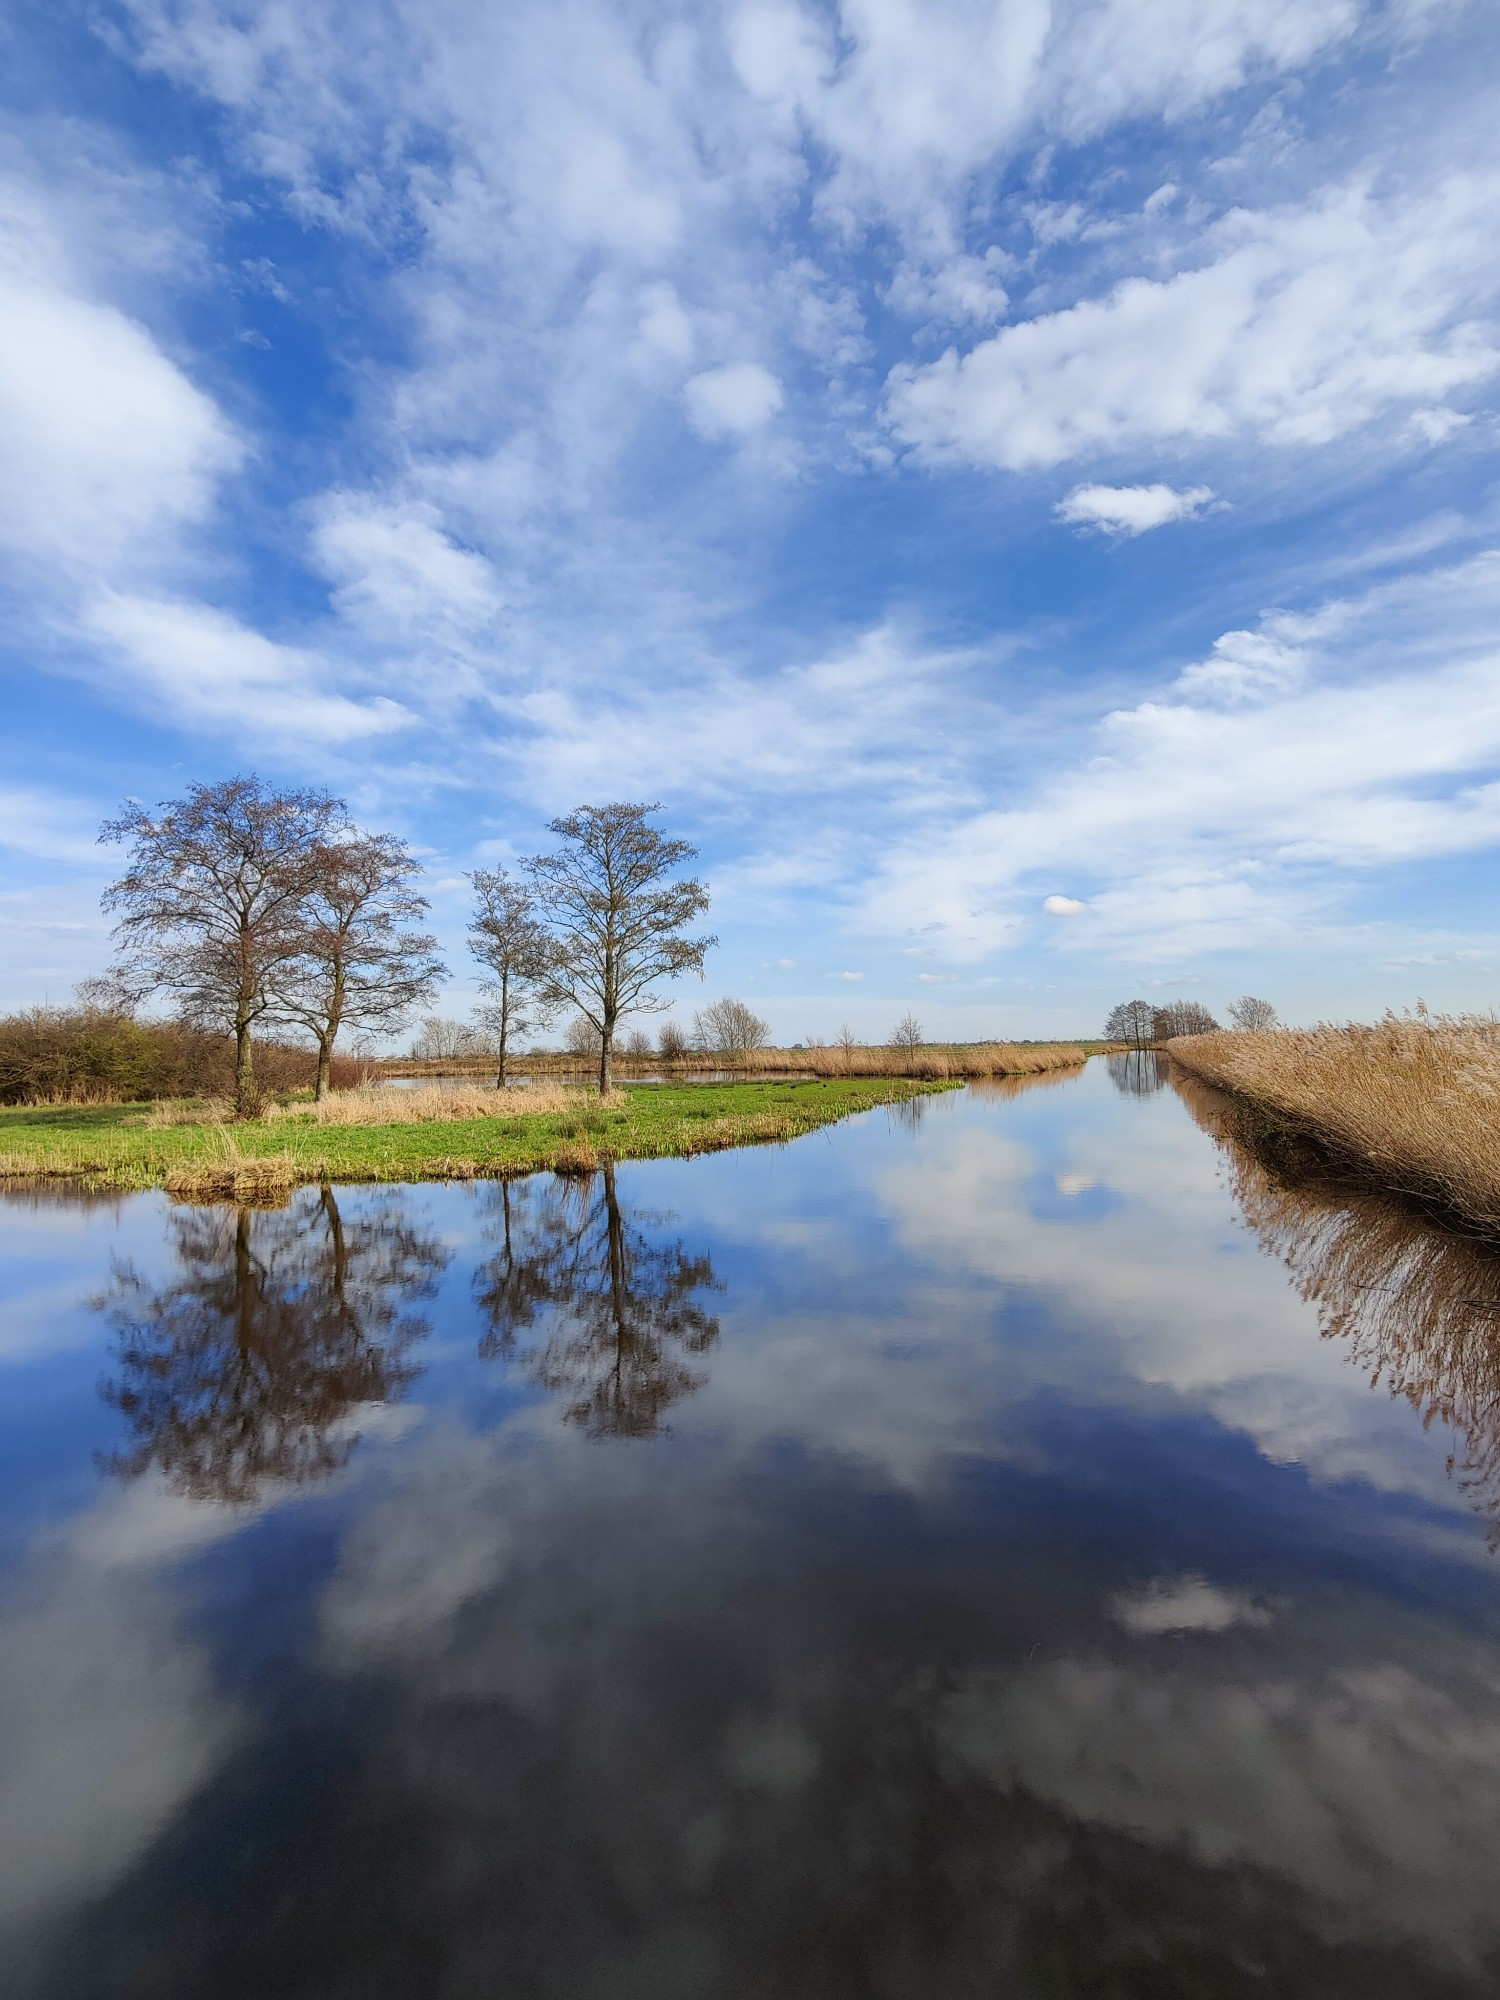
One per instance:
(1015, 480)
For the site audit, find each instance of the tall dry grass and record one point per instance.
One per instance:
(433, 1103)
(1419, 1306)
(1413, 1101)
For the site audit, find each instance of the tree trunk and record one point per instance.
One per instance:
(504, 1027)
(605, 1052)
(325, 1068)
(244, 1071)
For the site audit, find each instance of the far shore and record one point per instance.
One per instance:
(929, 1062)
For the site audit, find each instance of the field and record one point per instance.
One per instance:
(1411, 1105)
(194, 1152)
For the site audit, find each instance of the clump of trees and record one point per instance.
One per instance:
(729, 1027)
(249, 905)
(441, 1040)
(1143, 1023)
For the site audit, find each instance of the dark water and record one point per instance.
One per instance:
(1019, 1547)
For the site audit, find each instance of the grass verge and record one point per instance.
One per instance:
(114, 1145)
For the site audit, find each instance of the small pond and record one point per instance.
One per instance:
(1010, 1545)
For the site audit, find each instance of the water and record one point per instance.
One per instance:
(952, 1555)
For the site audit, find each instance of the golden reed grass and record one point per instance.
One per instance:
(432, 1103)
(1417, 1305)
(1413, 1101)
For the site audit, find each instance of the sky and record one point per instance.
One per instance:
(1014, 479)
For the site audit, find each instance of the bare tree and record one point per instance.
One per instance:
(616, 920)
(214, 898)
(637, 1043)
(582, 1038)
(729, 1027)
(1181, 1017)
(907, 1033)
(356, 965)
(1133, 1021)
(672, 1042)
(848, 1042)
(507, 939)
(437, 1040)
(1248, 1013)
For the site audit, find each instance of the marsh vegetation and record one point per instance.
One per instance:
(1410, 1105)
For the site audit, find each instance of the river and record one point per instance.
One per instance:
(1008, 1544)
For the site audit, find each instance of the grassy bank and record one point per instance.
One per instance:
(1411, 1106)
(194, 1152)
(934, 1062)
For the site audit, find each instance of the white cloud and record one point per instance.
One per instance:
(1366, 733)
(207, 671)
(1324, 1778)
(849, 975)
(1299, 325)
(1131, 510)
(732, 401)
(1063, 906)
(397, 572)
(1184, 1604)
(105, 442)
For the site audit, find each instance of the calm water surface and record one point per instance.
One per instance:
(1012, 1547)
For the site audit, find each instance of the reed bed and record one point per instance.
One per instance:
(1412, 1103)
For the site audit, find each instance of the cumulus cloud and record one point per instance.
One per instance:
(1131, 510)
(106, 443)
(1298, 325)
(732, 401)
(1063, 906)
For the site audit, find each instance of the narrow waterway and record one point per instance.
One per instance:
(1012, 1544)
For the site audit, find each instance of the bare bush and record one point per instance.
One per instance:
(1249, 1014)
(729, 1027)
(582, 1037)
(907, 1033)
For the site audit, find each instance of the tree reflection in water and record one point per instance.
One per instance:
(1418, 1304)
(619, 1312)
(1137, 1072)
(242, 1370)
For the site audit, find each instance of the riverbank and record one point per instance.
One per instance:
(193, 1152)
(1410, 1106)
(936, 1062)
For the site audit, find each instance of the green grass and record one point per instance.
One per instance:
(106, 1146)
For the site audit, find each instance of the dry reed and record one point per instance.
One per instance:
(434, 1102)
(1413, 1102)
(1418, 1305)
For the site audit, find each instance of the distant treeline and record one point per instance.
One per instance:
(97, 1054)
